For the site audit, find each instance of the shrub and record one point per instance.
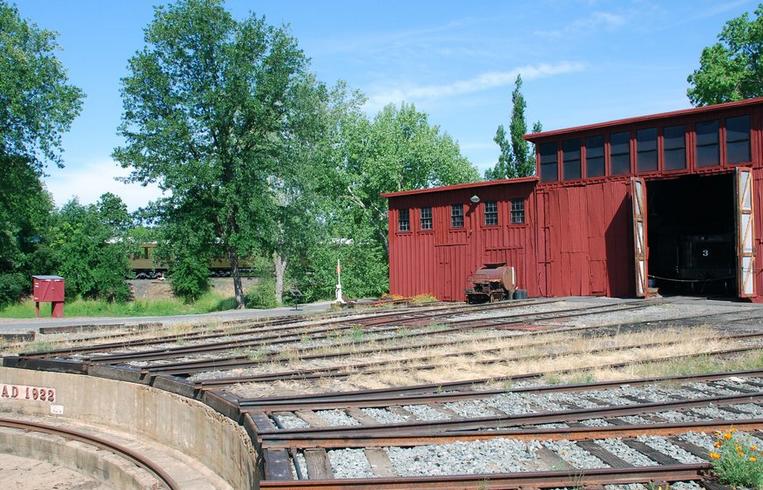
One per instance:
(736, 461)
(262, 294)
(13, 287)
(189, 277)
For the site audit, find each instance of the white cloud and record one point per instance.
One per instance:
(88, 182)
(483, 81)
(590, 24)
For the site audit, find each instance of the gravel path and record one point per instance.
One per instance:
(336, 417)
(575, 455)
(350, 463)
(384, 416)
(625, 452)
(493, 456)
(664, 446)
(289, 421)
(426, 413)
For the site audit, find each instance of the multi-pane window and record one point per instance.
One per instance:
(646, 149)
(674, 144)
(738, 139)
(426, 218)
(620, 153)
(457, 216)
(571, 159)
(491, 213)
(548, 162)
(517, 211)
(594, 156)
(403, 220)
(707, 144)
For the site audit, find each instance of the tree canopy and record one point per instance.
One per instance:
(515, 158)
(732, 68)
(37, 104)
(209, 105)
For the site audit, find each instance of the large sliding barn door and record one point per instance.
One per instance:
(640, 250)
(745, 235)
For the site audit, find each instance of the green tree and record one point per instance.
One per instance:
(732, 68)
(37, 104)
(91, 248)
(209, 104)
(515, 158)
(359, 160)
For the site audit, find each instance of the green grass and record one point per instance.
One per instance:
(209, 302)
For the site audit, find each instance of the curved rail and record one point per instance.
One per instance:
(76, 435)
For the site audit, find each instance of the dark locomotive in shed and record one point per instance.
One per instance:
(664, 202)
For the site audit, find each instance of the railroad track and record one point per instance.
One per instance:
(310, 440)
(124, 452)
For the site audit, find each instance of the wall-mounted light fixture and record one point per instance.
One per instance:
(475, 199)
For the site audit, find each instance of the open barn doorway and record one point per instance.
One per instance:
(692, 235)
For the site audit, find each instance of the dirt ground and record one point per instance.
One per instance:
(156, 289)
(19, 473)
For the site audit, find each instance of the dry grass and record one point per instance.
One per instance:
(561, 352)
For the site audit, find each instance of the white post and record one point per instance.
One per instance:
(339, 298)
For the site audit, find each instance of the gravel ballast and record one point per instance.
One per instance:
(350, 463)
(493, 456)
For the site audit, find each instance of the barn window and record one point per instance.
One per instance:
(738, 139)
(457, 216)
(548, 162)
(491, 213)
(571, 159)
(594, 156)
(426, 218)
(620, 153)
(517, 211)
(674, 143)
(707, 144)
(403, 220)
(646, 149)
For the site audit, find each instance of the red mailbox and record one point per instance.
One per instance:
(49, 289)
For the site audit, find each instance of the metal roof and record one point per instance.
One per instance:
(640, 119)
(466, 185)
(49, 278)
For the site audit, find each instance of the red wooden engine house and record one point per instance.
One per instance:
(670, 201)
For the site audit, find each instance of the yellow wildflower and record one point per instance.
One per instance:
(753, 458)
(753, 448)
(727, 435)
(715, 455)
(718, 444)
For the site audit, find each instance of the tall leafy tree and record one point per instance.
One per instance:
(37, 105)
(732, 68)
(209, 104)
(91, 249)
(399, 149)
(515, 158)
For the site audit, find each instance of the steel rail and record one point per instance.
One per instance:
(524, 434)
(113, 447)
(279, 337)
(492, 423)
(540, 480)
(353, 370)
(187, 367)
(262, 324)
(208, 385)
(372, 399)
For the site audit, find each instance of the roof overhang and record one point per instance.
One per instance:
(457, 187)
(641, 119)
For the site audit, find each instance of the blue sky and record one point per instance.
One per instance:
(582, 61)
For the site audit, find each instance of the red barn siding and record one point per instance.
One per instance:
(577, 238)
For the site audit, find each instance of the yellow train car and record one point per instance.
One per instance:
(145, 265)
